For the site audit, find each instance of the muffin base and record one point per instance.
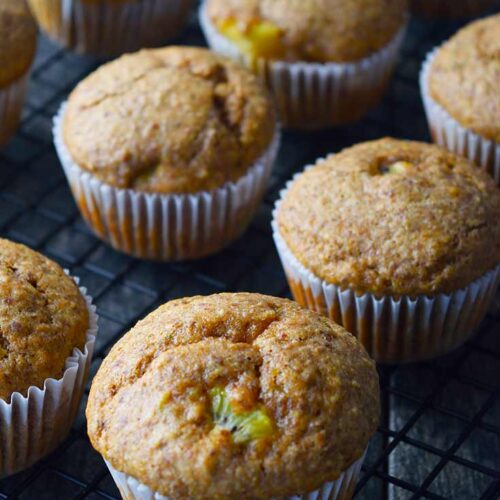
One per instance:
(340, 489)
(393, 329)
(108, 28)
(33, 425)
(316, 95)
(447, 132)
(167, 227)
(11, 104)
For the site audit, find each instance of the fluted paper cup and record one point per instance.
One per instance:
(167, 227)
(392, 329)
(315, 95)
(107, 27)
(340, 489)
(447, 132)
(11, 104)
(34, 424)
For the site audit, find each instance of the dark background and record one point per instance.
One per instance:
(440, 430)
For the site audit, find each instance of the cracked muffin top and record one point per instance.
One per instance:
(234, 396)
(43, 316)
(464, 77)
(393, 217)
(171, 120)
(17, 40)
(309, 30)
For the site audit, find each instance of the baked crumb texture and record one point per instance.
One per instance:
(464, 77)
(309, 30)
(152, 412)
(393, 217)
(43, 317)
(326, 62)
(172, 120)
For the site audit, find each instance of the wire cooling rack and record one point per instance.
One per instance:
(440, 429)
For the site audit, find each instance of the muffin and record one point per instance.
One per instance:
(47, 333)
(450, 8)
(17, 50)
(459, 86)
(397, 241)
(327, 62)
(168, 151)
(234, 396)
(110, 27)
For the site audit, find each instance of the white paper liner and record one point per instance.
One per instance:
(392, 330)
(315, 95)
(340, 489)
(107, 27)
(168, 227)
(447, 132)
(11, 104)
(33, 425)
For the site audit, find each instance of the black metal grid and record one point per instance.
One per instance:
(440, 431)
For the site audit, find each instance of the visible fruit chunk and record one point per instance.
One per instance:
(261, 39)
(400, 167)
(396, 167)
(244, 427)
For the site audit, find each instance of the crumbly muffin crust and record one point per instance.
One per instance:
(17, 40)
(149, 410)
(464, 77)
(171, 120)
(43, 317)
(319, 30)
(393, 217)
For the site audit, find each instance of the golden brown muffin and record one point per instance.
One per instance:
(17, 40)
(309, 30)
(172, 120)
(393, 217)
(450, 8)
(43, 317)
(464, 77)
(151, 407)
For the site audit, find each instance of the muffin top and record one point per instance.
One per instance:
(43, 316)
(464, 77)
(309, 30)
(170, 120)
(234, 396)
(393, 217)
(17, 40)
